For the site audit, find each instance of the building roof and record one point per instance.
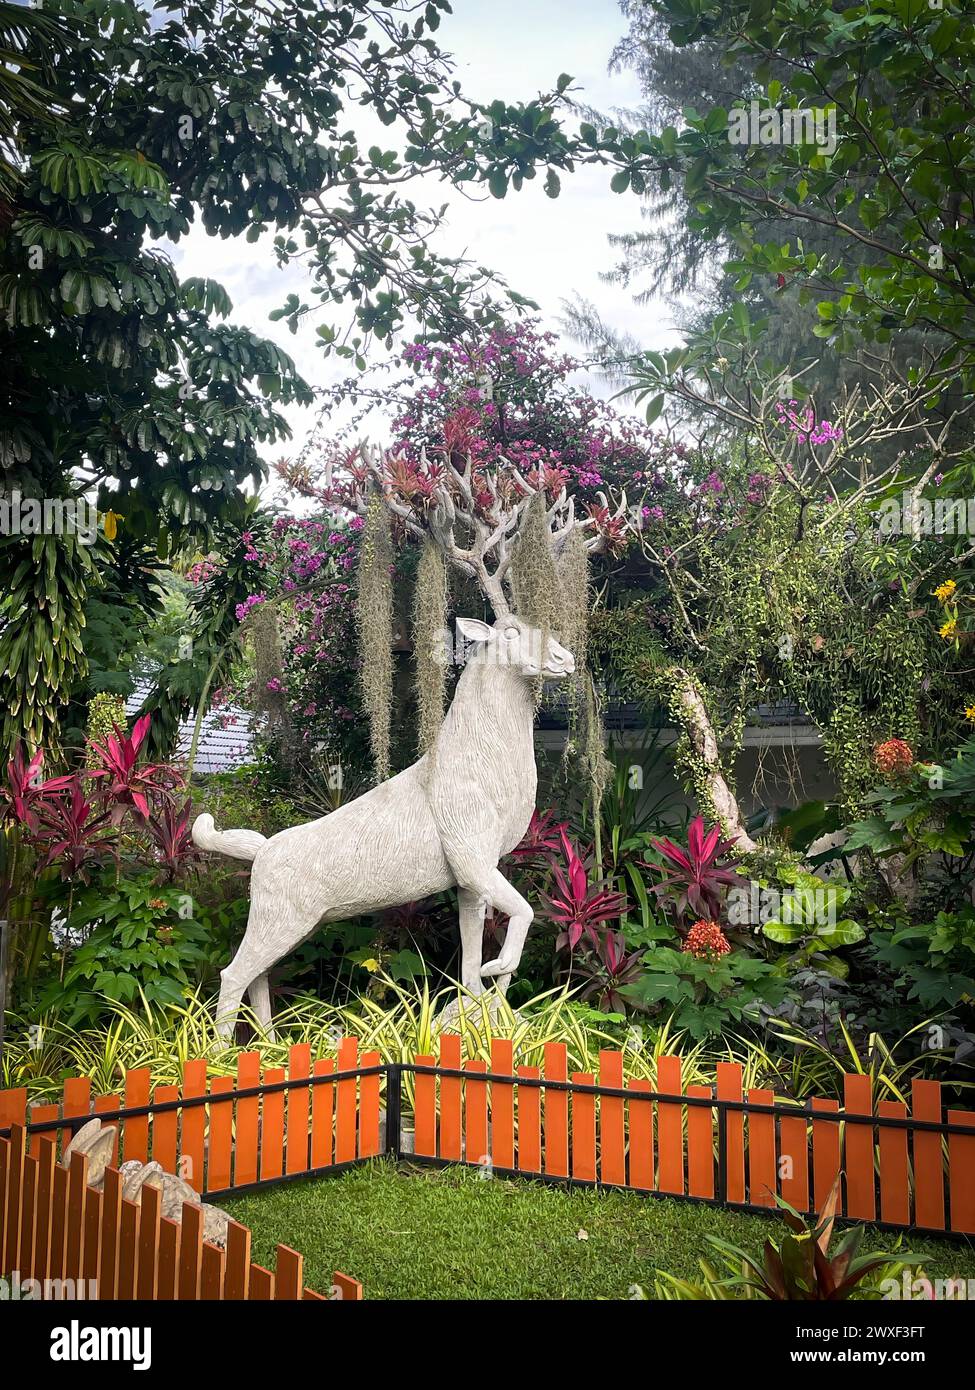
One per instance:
(226, 736)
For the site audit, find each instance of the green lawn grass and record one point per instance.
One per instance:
(422, 1233)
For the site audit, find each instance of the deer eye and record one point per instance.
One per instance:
(510, 633)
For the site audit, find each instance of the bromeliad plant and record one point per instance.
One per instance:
(801, 1268)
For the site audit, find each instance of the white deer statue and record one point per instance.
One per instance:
(446, 821)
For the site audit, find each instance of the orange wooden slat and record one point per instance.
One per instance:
(46, 1159)
(825, 1150)
(670, 1130)
(220, 1147)
(193, 1119)
(309, 1296)
(150, 1212)
(77, 1193)
(93, 1232)
(322, 1111)
(369, 1107)
(929, 1187)
(248, 1119)
(477, 1147)
(961, 1172)
(299, 1105)
(135, 1129)
(794, 1161)
(111, 1227)
(728, 1076)
(289, 1279)
(28, 1218)
(16, 1155)
(211, 1273)
(425, 1108)
(272, 1127)
(128, 1251)
(861, 1200)
(502, 1105)
(100, 1105)
(4, 1147)
(59, 1224)
(237, 1277)
(583, 1128)
(641, 1135)
(700, 1145)
(612, 1121)
(13, 1107)
(556, 1117)
(165, 1130)
(895, 1188)
(529, 1123)
(39, 1115)
(346, 1289)
(261, 1284)
(762, 1172)
(347, 1059)
(451, 1121)
(190, 1253)
(77, 1097)
(167, 1264)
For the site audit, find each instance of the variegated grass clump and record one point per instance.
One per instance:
(39, 1056)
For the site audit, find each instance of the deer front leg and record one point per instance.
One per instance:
(507, 899)
(471, 907)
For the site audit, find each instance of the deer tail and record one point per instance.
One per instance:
(237, 844)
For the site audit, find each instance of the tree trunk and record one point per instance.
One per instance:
(697, 726)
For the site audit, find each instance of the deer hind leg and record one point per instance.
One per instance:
(505, 898)
(471, 907)
(259, 994)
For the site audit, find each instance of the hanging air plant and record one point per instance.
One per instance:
(375, 623)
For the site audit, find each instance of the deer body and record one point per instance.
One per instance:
(446, 821)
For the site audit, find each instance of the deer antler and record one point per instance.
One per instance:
(490, 512)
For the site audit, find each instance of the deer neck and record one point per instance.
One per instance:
(492, 701)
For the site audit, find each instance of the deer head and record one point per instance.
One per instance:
(514, 645)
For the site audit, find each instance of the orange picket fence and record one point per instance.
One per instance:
(60, 1238)
(902, 1167)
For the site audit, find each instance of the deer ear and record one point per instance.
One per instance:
(474, 630)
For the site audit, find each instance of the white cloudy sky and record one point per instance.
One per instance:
(548, 249)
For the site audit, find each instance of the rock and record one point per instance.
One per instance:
(97, 1141)
(491, 1006)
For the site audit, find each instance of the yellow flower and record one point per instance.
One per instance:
(944, 591)
(110, 521)
(949, 630)
(372, 965)
(970, 713)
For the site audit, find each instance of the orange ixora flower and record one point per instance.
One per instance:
(706, 941)
(894, 756)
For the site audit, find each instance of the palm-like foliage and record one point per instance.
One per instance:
(25, 34)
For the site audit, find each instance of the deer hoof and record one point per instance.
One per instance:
(501, 966)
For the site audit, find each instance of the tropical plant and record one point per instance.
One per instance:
(694, 879)
(137, 942)
(573, 903)
(801, 1268)
(704, 995)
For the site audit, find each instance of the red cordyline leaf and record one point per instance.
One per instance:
(129, 784)
(23, 790)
